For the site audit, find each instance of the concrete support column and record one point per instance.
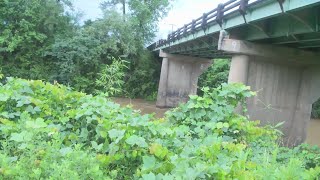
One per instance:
(179, 78)
(239, 69)
(285, 93)
(162, 90)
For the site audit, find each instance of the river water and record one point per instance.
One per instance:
(147, 107)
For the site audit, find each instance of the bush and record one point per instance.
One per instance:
(111, 77)
(316, 110)
(216, 74)
(48, 131)
(143, 79)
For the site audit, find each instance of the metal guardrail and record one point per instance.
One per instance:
(215, 15)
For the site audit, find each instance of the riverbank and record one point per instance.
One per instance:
(148, 107)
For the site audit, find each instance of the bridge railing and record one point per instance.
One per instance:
(214, 16)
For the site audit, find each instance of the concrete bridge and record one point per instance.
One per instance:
(274, 46)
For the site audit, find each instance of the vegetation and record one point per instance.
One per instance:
(111, 78)
(59, 130)
(49, 131)
(216, 74)
(316, 109)
(45, 41)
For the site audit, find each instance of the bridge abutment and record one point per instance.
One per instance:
(179, 78)
(285, 89)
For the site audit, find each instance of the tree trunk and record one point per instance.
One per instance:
(124, 7)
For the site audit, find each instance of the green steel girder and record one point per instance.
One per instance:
(281, 26)
(288, 40)
(318, 20)
(199, 44)
(297, 26)
(310, 45)
(217, 54)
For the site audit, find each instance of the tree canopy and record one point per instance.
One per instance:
(43, 39)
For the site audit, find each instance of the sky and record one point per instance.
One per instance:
(182, 12)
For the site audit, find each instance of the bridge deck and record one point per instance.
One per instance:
(291, 23)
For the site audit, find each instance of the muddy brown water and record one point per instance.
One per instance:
(147, 107)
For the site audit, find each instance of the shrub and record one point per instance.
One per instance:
(49, 131)
(143, 80)
(111, 77)
(216, 74)
(316, 110)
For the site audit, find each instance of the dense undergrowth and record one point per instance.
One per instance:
(50, 132)
(215, 75)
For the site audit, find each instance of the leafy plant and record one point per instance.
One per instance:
(142, 80)
(111, 78)
(28, 28)
(215, 75)
(316, 110)
(43, 40)
(49, 131)
(1, 75)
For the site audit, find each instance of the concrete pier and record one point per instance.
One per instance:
(285, 89)
(179, 78)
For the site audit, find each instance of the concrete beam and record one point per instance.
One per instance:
(269, 52)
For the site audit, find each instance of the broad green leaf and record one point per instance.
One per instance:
(149, 162)
(149, 176)
(96, 146)
(136, 140)
(65, 151)
(219, 125)
(24, 136)
(38, 123)
(116, 135)
(4, 97)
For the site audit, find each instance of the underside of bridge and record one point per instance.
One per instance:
(265, 23)
(274, 50)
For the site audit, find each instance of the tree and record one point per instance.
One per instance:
(27, 29)
(41, 40)
(143, 15)
(112, 3)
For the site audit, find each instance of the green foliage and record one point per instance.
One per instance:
(27, 29)
(41, 40)
(75, 61)
(50, 132)
(1, 75)
(311, 155)
(143, 78)
(214, 110)
(216, 74)
(143, 16)
(78, 59)
(316, 109)
(111, 78)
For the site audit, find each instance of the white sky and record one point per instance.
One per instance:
(182, 12)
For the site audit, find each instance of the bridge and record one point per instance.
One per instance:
(274, 47)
